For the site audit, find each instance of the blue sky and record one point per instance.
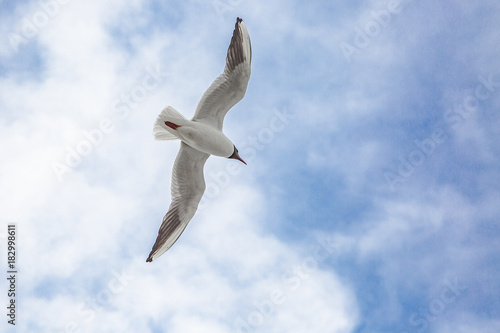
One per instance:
(370, 199)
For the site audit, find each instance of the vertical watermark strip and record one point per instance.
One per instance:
(11, 274)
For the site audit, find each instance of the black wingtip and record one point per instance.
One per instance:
(149, 259)
(235, 54)
(238, 20)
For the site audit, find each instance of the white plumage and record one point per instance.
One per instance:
(201, 137)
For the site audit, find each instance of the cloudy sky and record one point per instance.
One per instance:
(370, 199)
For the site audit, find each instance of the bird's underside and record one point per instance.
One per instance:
(188, 184)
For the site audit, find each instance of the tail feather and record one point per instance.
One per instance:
(160, 130)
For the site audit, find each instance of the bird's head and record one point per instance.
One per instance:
(236, 156)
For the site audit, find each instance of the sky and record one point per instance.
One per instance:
(369, 203)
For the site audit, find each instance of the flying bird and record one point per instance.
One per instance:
(201, 137)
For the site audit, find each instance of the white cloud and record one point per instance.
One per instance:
(217, 273)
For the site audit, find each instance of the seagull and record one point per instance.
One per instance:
(201, 137)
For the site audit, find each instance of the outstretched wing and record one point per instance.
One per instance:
(230, 87)
(188, 185)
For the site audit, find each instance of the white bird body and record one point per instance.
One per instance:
(206, 139)
(201, 137)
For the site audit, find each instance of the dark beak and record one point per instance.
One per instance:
(236, 156)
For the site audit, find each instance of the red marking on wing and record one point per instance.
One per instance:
(172, 125)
